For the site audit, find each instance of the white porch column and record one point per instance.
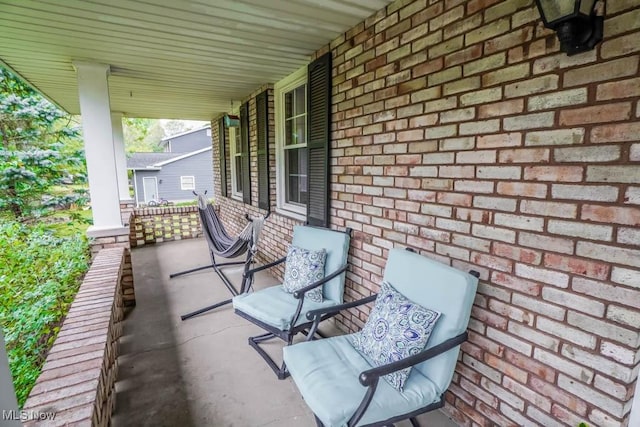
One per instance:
(98, 142)
(8, 404)
(634, 418)
(121, 157)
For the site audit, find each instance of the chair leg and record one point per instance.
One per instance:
(414, 422)
(280, 371)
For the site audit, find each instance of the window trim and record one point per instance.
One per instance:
(182, 184)
(285, 85)
(233, 133)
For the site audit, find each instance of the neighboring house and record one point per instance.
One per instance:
(187, 142)
(171, 176)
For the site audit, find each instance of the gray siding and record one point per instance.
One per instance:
(190, 142)
(198, 166)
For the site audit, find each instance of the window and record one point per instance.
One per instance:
(235, 151)
(291, 134)
(303, 133)
(187, 182)
(295, 145)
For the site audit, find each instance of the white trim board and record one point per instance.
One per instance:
(184, 156)
(290, 82)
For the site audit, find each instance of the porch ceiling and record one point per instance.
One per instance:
(169, 59)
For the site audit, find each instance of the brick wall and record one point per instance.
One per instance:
(164, 224)
(460, 130)
(77, 381)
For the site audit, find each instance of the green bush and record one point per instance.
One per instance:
(40, 274)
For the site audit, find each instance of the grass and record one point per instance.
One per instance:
(70, 223)
(189, 203)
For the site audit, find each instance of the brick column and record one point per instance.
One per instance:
(119, 240)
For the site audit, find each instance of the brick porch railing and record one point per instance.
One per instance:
(164, 224)
(78, 378)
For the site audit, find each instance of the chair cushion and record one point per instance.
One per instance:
(304, 267)
(440, 287)
(326, 373)
(275, 307)
(396, 329)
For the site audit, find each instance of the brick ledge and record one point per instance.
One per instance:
(77, 381)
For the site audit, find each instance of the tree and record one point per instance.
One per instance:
(174, 127)
(41, 156)
(142, 135)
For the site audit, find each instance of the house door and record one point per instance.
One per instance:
(150, 189)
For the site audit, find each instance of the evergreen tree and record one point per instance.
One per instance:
(41, 156)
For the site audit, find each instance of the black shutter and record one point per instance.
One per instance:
(222, 152)
(318, 134)
(262, 121)
(245, 157)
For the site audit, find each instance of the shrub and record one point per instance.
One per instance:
(39, 276)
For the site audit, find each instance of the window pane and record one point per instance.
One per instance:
(296, 175)
(289, 132)
(187, 182)
(296, 131)
(301, 130)
(237, 141)
(301, 100)
(288, 104)
(238, 177)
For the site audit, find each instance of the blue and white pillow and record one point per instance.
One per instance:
(396, 329)
(304, 267)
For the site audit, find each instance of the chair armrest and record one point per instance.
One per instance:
(300, 292)
(321, 314)
(311, 314)
(264, 267)
(371, 376)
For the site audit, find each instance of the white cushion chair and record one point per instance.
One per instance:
(345, 388)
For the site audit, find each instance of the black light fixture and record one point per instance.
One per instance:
(578, 27)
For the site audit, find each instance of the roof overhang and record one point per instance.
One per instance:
(183, 60)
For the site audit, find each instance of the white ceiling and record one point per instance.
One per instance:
(184, 59)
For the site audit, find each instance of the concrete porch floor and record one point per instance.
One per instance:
(200, 372)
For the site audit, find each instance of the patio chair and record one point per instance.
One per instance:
(221, 244)
(345, 388)
(283, 314)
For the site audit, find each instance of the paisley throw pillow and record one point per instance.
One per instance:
(304, 267)
(397, 328)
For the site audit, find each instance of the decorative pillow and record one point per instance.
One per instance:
(304, 267)
(396, 329)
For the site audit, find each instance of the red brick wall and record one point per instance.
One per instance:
(460, 130)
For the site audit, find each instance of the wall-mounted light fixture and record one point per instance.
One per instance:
(578, 27)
